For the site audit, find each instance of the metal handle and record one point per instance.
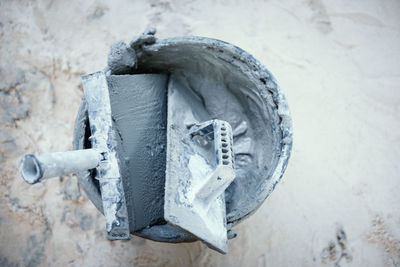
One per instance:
(35, 168)
(220, 133)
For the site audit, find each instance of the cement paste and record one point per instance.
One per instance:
(139, 108)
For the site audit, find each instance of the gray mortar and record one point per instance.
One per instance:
(233, 86)
(139, 108)
(121, 59)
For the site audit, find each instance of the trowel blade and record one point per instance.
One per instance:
(103, 139)
(189, 175)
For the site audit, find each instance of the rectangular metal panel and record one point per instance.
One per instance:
(103, 139)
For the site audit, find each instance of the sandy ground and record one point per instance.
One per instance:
(338, 63)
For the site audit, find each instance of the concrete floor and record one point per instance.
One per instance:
(338, 63)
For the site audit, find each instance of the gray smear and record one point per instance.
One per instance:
(139, 110)
(81, 140)
(121, 59)
(166, 233)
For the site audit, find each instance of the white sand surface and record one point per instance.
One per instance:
(338, 63)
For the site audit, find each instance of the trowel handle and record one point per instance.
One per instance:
(34, 168)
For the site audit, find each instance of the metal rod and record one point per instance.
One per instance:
(35, 168)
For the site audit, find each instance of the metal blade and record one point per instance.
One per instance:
(102, 138)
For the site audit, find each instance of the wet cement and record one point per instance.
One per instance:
(139, 111)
